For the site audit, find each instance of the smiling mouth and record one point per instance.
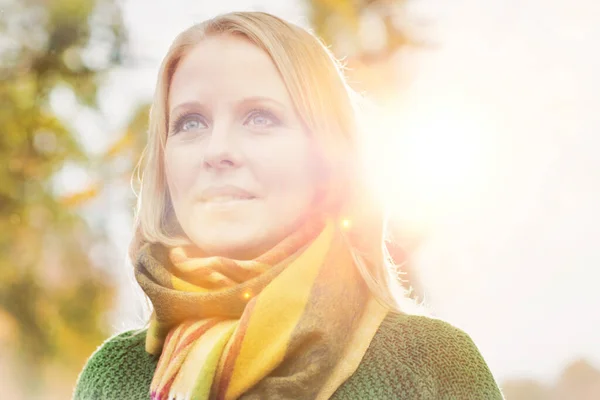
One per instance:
(225, 194)
(227, 199)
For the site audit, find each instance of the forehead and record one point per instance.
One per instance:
(226, 67)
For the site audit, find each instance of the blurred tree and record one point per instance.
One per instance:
(367, 35)
(50, 290)
(367, 29)
(525, 389)
(580, 380)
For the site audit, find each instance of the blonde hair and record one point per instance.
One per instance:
(327, 107)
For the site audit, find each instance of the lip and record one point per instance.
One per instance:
(215, 192)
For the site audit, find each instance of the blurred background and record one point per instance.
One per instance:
(482, 135)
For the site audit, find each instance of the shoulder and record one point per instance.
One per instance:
(426, 334)
(437, 357)
(119, 367)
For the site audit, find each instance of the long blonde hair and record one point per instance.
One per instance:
(328, 108)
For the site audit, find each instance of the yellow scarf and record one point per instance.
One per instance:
(293, 323)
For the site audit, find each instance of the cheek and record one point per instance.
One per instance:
(291, 176)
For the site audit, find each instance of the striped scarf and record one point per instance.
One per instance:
(293, 323)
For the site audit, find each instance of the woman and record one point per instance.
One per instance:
(258, 244)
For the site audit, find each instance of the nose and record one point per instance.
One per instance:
(222, 151)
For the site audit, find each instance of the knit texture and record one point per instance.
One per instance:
(410, 358)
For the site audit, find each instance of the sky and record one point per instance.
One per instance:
(500, 133)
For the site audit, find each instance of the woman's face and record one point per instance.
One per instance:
(240, 167)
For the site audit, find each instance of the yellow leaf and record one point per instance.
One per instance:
(81, 197)
(124, 142)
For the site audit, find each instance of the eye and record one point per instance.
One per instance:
(189, 122)
(261, 119)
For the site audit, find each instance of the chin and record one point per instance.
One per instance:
(237, 243)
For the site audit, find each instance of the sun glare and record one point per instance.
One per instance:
(427, 159)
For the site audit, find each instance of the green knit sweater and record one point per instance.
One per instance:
(410, 357)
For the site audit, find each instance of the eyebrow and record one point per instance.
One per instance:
(188, 105)
(261, 99)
